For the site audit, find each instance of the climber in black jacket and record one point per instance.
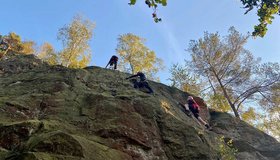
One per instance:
(142, 83)
(113, 62)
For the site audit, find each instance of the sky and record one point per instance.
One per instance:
(183, 20)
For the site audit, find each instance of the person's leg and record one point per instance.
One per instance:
(204, 123)
(115, 65)
(110, 65)
(139, 84)
(136, 85)
(201, 120)
(196, 114)
(148, 87)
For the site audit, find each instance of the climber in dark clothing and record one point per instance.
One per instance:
(194, 108)
(142, 83)
(113, 62)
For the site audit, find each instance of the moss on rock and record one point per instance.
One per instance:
(52, 112)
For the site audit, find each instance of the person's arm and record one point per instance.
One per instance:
(108, 62)
(186, 106)
(132, 76)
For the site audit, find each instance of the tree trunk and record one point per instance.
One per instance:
(214, 90)
(227, 96)
(229, 101)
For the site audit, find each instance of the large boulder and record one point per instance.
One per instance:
(250, 142)
(52, 112)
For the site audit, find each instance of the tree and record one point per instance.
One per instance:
(135, 56)
(266, 11)
(75, 39)
(218, 102)
(14, 41)
(28, 47)
(271, 99)
(270, 122)
(250, 115)
(152, 4)
(182, 78)
(231, 70)
(19, 46)
(48, 54)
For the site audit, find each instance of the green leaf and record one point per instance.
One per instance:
(132, 2)
(164, 2)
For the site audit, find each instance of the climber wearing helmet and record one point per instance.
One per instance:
(194, 108)
(113, 62)
(142, 83)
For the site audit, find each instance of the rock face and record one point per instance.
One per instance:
(52, 112)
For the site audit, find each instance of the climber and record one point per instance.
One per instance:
(142, 83)
(113, 62)
(194, 108)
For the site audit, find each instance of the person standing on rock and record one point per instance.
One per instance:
(113, 62)
(194, 108)
(142, 83)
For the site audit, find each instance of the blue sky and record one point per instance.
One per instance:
(183, 20)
